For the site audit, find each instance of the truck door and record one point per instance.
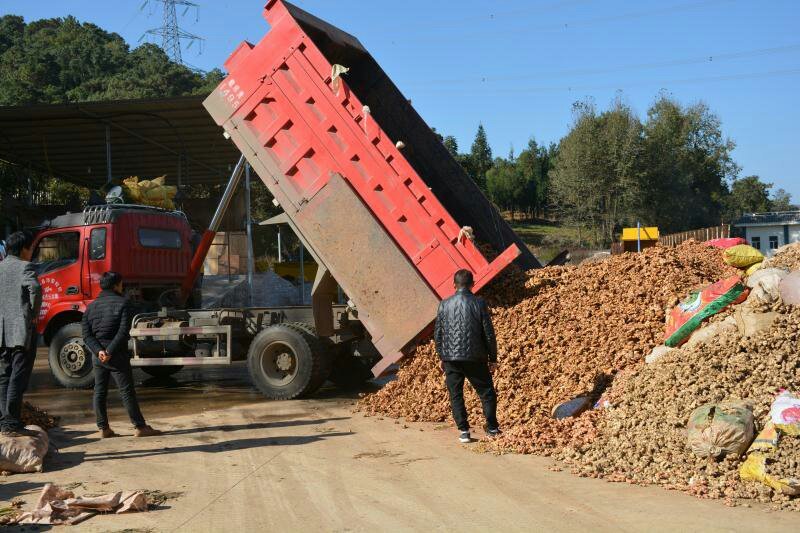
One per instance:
(98, 261)
(57, 256)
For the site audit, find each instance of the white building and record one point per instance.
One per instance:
(769, 231)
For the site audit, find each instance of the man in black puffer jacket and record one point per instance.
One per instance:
(106, 331)
(466, 343)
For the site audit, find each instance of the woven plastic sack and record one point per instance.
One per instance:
(131, 188)
(571, 408)
(24, 453)
(785, 413)
(742, 256)
(765, 285)
(153, 192)
(715, 430)
(753, 268)
(755, 467)
(726, 242)
(689, 314)
(789, 288)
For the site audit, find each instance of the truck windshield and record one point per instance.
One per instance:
(159, 238)
(56, 251)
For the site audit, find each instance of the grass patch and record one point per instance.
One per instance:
(537, 234)
(546, 239)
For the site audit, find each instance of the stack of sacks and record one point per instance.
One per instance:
(153, 192)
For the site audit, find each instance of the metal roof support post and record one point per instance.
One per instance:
(228, 252)
(181, 159)
(108, 153)
(280, 258)
(249, 227)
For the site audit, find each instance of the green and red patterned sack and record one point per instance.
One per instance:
(688, 315)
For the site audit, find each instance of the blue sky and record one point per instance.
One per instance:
(517, 66)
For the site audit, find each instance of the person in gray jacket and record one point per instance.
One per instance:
(466, 344)
(19, 309)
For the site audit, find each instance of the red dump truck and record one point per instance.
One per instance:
(388, 215)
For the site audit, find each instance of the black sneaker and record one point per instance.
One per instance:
(494, 433)
(464, 437)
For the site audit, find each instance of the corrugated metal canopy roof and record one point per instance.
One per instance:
(149, 138)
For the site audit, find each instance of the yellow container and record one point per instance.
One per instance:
(647, 234)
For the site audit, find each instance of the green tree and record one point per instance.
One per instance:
(596, 179)
(531, 168)
(687, 165)
(507, 185)
(480, 157)
(65, 60)
(452, 145)
(781, 201)
(748, 195)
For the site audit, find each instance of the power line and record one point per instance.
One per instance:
(493, 16)
(620, 68)
(511, 32)
(752, 75)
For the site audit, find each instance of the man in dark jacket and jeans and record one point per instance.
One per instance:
(106, 330)
(466, 343)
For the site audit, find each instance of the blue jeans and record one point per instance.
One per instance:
(120, 368)
(16, 365)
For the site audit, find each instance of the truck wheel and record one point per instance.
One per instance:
(325, 347)
(286, 361)
(161, 371)
(70, 360)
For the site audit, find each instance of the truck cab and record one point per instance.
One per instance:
(149, 247)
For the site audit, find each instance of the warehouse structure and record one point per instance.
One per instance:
(92, 143)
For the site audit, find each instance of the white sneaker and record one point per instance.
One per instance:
(465, 437)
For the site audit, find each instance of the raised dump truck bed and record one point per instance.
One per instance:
(386, 222)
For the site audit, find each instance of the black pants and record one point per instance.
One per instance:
(16, 365)
(481, 380)
(120, 368)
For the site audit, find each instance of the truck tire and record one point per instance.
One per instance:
(287, 361)
(70, 360)
(161, 372)
(325, 347)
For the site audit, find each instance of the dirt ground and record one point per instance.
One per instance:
(234, 462)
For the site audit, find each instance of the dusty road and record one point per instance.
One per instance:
(237, 463)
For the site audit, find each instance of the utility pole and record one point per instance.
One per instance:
(169, 31)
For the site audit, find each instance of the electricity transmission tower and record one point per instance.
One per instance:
(171, 35)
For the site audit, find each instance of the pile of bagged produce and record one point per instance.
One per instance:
(154, 192)
(696, 416)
